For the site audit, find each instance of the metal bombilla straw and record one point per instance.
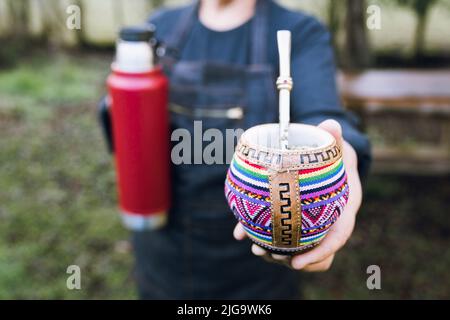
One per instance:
(284, 84)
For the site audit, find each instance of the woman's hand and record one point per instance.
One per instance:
(320, 258)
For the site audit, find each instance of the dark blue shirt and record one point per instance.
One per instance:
(314, 97)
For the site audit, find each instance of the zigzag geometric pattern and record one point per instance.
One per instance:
(323, 196)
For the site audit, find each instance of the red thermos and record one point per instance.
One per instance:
(139, 98)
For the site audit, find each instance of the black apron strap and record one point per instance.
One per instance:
(177, 39)
(259, 34)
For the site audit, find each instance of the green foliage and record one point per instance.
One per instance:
(58, 81)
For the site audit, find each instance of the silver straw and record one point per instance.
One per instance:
(284, 84)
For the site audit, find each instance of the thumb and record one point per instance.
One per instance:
(334, 128)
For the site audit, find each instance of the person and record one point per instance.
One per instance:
(221, 55)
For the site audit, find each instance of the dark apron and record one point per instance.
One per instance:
(196, 256)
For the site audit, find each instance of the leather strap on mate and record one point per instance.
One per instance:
(285, 209)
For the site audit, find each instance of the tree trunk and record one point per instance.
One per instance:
(81, 36)
(19, 13)
(357, 51)
(333, 19)
(419, 38)
(157, 3)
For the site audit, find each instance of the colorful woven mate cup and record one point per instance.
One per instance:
(287, 200)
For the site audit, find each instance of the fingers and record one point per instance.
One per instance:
(258, 251)
(279, 257)
(318, 254)
(316, 260)
(334, 240)
(315, 267)
(239, 232)
(320, 266)
(333, 127)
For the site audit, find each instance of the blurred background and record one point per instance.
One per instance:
(57, 184)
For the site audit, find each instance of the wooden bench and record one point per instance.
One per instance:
(407, 115)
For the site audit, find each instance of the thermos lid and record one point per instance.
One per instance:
(137, 33)
(134, 50)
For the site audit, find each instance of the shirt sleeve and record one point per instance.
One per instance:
(315, 96)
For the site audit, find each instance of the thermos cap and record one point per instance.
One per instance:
(134, 51)
(137, 33)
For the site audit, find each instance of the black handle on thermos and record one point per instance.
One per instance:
(104, 117)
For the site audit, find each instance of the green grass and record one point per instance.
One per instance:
(57, 197)
(58, 205)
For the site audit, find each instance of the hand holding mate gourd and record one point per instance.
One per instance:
(294, 188)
